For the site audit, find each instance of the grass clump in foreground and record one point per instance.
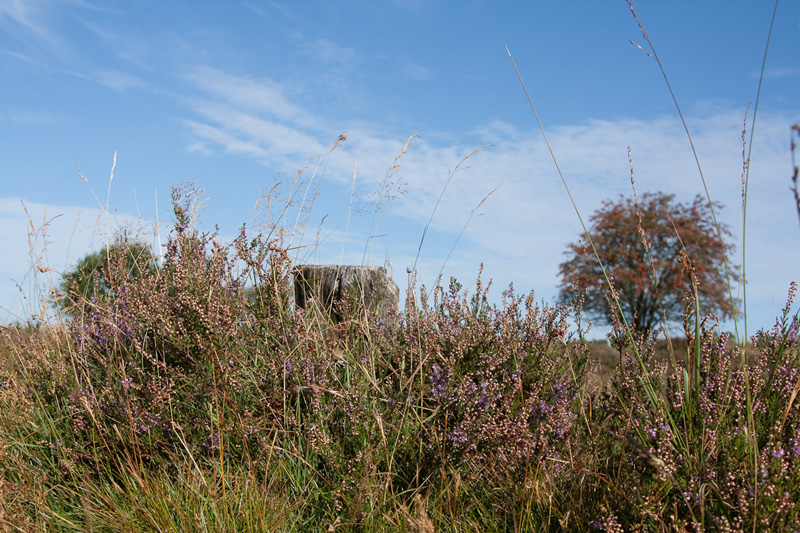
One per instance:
(188, 402)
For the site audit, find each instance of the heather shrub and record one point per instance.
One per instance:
(193, 394)
(490, 390)
(202, 373)
(696, 457)
(89, 281)
(181, 358)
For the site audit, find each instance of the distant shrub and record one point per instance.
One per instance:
(643, 243)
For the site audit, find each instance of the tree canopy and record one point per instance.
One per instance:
(641, 247)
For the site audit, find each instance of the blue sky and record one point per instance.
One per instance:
(235, 95)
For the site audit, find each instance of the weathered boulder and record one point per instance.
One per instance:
(336, 289)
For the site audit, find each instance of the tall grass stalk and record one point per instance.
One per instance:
(654, 55)
(314, 181)
(742, 341)
(472, 214)
(628, 330)
(748, 161)
(450, 175)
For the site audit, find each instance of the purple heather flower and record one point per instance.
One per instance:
(213, 442)
(439, 380)
(793, 331)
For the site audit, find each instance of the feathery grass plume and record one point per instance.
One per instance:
(38, 241)
(390, 188)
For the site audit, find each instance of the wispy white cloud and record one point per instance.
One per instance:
(262, 95)
(126, 45)
(324, 67)
(24, 117)
(251, 117)
(778, 72)
(118, 80)
(34, 24)
(415, 6)
(268, 9)
(27, 13)
(413, 70)
(526, 223)
(210, 138)
(239, 133)
(326, 52)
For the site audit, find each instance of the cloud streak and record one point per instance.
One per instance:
(33, 21)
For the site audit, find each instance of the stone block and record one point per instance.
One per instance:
(368, 291)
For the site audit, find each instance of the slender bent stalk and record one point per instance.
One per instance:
(654, 55)
(575, 206)
(742, 341)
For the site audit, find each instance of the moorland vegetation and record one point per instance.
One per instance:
(186, 392)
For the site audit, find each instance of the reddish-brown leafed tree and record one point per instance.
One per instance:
(641, 250)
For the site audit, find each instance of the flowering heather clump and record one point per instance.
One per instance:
(692, 447)
(181, 356)
(202, 372)
(495, 386)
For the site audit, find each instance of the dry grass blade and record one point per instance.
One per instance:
(450, 176)
(574, 205)
(472, 214)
